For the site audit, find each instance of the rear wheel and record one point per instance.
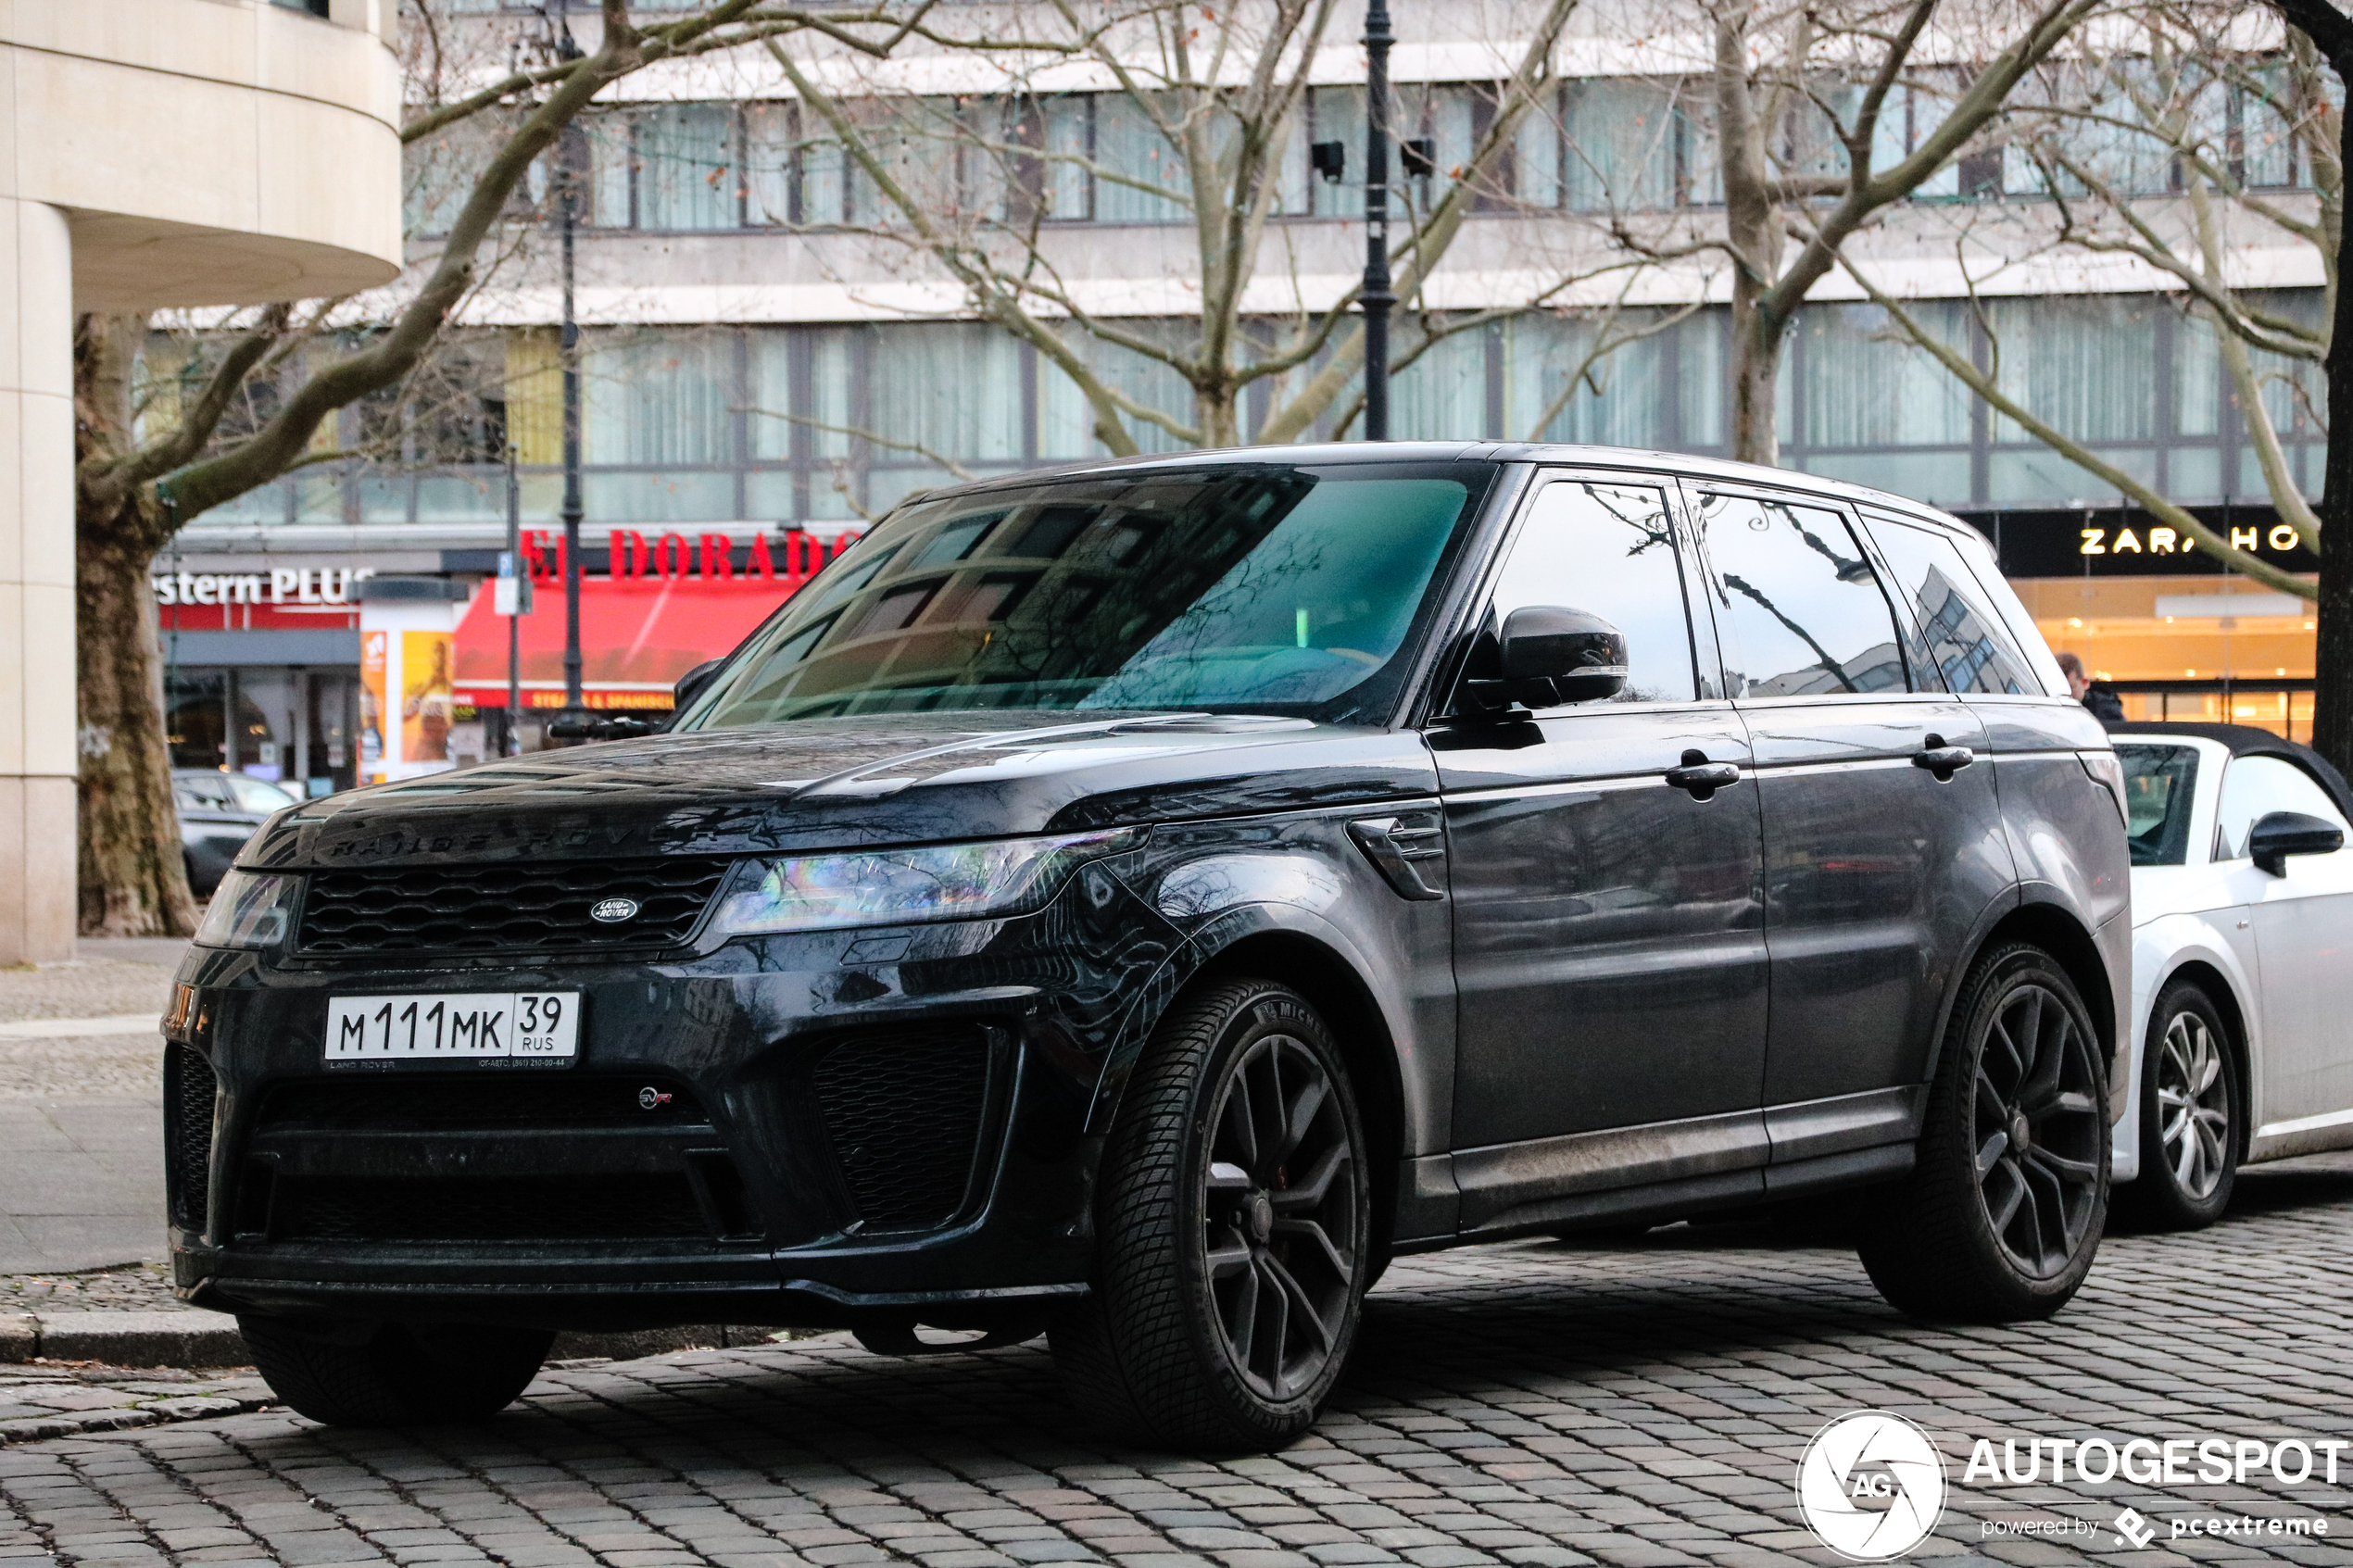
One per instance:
(2001, 1217)
(2190, 1107)
(393, 1374)
(1233, 1220)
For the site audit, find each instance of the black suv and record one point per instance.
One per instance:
(1134, 903)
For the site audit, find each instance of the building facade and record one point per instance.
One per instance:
(769, 359)
(157, 154)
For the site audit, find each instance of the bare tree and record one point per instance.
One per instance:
(965, 192)
(1814, 120)
(2157, 149)
(138, 479)
(2183, 144)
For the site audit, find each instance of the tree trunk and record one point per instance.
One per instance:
(1757, 371)
(1751, 225)
(2332, 660)
(133, 881)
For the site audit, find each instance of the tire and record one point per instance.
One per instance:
(1228, 1282)
(2193, 1105)
(2000, 1216)
(393, 1374)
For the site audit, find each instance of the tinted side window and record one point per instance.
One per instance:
(1966, 641)
(2257, 786)
(1797, 602)
(1608, 549)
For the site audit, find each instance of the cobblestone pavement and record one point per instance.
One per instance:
(1532, 1404)
(141, 1287)
(89, 988)
(52, 1398)
(126, 1064)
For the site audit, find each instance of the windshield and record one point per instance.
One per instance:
(2158, 784)
(258, 795)
(1259, 589)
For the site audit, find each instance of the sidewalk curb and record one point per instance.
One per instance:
(201, 1339)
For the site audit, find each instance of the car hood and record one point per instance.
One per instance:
(843, 783)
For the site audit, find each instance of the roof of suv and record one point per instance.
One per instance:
(1327, 452)
(2246, 740)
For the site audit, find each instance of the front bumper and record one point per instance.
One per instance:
(943, 1174)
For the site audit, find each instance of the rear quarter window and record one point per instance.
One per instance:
(1966, 638)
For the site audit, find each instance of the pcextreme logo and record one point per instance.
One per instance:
(1871, 1485)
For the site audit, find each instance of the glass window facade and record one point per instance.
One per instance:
(831, 423)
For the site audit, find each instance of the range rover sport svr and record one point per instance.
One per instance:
(1133, 903)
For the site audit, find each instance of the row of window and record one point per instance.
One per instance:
(810, 423)
(1796, 600)
(1596, 145)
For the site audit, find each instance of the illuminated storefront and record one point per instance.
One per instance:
(272, 670)
(2156, 621)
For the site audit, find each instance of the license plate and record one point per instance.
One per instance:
(516, 1026)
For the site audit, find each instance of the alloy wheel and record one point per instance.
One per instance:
(2036, 1129)
(1279, 1235)
(2193, 1105)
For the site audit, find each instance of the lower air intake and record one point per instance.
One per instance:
(190, 1089)
(903, 1109)
(567, 1208)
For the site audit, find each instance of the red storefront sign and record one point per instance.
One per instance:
(666, 605)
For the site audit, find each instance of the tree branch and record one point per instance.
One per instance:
(1987, 388)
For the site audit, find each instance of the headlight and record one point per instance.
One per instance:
(249, 910)
(935, 882)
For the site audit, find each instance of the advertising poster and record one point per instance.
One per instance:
(425, 700)
(372, 705)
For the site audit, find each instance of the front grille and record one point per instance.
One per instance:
(903, 1109)
(505, 906)
(649, 1208)
(190, 1089)
(475, 1103)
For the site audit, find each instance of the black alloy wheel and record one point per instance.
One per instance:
(1233, 1219)
(1280, 1233)
(2191, 1106)
(2000, 1216)
(2040, 1130)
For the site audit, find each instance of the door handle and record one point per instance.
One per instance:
(1942, 761)
(1702, 777)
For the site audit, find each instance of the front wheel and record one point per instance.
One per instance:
(2190, 1107)
(2000, 1218)
(393, 1374)
(1234, 1222)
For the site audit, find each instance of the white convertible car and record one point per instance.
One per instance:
(2242, 963)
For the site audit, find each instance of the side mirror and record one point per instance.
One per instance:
(1581, 658)
(2278, 835)
(690, 685)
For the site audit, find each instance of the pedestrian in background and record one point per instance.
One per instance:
(2103, 704)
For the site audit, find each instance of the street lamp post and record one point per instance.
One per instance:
(572, 147)
(1377, 295)
(575, 710)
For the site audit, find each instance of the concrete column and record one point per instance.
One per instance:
(37, 753)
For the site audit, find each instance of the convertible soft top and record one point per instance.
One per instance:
(2246, 740)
